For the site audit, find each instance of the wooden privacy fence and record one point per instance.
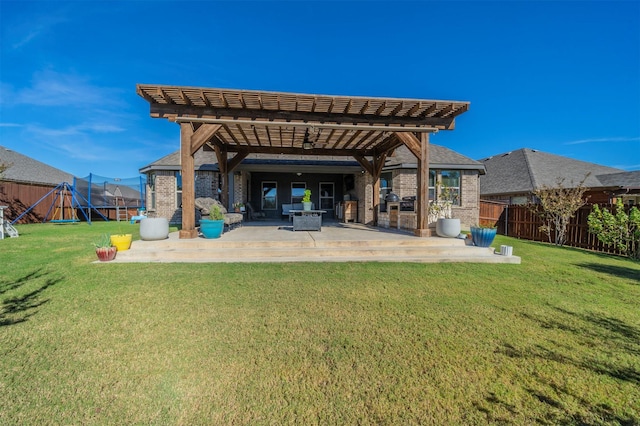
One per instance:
(520, 222)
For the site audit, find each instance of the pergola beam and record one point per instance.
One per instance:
(172, 111)
(202, 135)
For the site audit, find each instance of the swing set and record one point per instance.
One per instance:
(65, 205)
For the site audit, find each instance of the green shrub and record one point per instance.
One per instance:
(620, 230)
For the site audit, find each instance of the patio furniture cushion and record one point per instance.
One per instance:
(205, 204)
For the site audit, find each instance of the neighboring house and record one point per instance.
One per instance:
(267, 181)
(24, 182)
(513, 176)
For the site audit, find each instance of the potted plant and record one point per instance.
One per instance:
(104, 249)
(213, 227)
(483, 236)
(446, 226)
(306, 200)
(121, 241)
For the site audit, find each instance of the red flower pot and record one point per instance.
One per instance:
(106, 254)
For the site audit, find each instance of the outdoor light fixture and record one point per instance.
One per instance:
(307, 143)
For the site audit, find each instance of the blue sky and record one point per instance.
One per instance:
(560, 77)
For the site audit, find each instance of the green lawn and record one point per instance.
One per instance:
(555, 340)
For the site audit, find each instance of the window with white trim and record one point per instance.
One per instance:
(269, 195)
(178, 176)
(326, 196)
(297, 191)
(152, 191)
(449, 181)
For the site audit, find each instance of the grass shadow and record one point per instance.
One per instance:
(590, 330)
(17, 309)
(616, 271)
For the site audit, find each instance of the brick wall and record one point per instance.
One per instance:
(206, 184)
(364, 193)
(469, 210)
(405, 184)
(239, 183)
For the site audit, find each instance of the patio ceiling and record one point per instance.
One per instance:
(280, 123)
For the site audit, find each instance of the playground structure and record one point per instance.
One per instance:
(114, 198)
(109, 198)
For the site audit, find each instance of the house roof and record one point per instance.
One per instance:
(281, 123)
(25, 169)
(440, 157)
(205, 159)
(525, 170)
(626, 180)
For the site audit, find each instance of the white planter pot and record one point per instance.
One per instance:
(448, 228)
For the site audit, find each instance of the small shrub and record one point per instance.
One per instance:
(215, 213)
(620, 230)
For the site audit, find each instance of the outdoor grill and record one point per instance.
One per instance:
(391, 198)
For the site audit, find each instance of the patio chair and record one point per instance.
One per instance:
(254, 215)
(231, 220)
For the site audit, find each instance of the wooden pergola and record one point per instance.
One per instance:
(241, 122)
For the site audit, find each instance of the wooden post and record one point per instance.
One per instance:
(422, 225)
(188, 183)
(223, 166)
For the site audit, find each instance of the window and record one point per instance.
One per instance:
(178, 176)
(450, 186)
(386, 186)
(448, 180)
(432, 185)
(297, 191)
(326, 196)
(269, 195)
(152, 191)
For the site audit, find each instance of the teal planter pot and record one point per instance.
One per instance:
(211, 228)
(483, 237)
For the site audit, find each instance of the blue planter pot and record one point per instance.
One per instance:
(211, 228)
(483, 237)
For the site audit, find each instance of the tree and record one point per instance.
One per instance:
(557, 206)
(620, 230)
(3, 167)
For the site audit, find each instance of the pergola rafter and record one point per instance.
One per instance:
(245, 122)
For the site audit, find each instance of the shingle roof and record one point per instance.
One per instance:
(203, 160)
(525, 170)
(439, 157)
(27, 170)
(623, 180)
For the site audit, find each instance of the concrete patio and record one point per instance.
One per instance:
(275, 241)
